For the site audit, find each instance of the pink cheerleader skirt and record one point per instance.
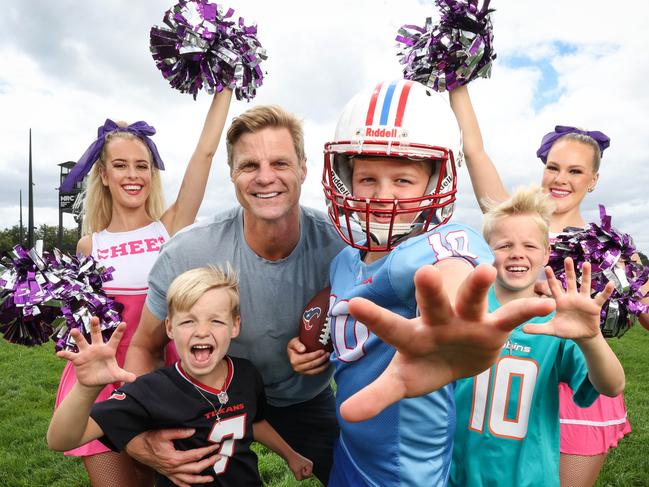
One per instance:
(592, 430)
(131, 315)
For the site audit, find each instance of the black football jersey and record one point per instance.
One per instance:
(171, 398)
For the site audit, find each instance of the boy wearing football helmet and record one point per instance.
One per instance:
(390, 173)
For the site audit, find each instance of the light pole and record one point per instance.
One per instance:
(30, 217)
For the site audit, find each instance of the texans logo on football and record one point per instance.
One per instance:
(310, 314)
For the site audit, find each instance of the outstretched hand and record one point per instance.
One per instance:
(95, 363)
(446, 342)
(578, 315)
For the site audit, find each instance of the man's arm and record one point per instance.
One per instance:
(156, 449)
(146, 351)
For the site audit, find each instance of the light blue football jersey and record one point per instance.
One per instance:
(507, 429)
(410, 442)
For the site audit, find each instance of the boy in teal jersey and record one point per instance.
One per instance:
(507, 429)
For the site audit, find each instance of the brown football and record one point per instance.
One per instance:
(315, 332)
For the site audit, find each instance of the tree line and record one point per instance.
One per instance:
(9, 237)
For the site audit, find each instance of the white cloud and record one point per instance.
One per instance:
(75, 64)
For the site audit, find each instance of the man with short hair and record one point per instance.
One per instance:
(282, 252)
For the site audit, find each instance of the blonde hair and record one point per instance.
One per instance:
(526, 200)
(261, 117)
(189, 286)
(97, 202)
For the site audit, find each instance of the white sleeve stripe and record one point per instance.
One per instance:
(585, 422)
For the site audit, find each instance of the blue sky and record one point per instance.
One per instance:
(547, 89)
(75, 64)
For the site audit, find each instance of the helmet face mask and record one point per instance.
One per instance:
(399, 120)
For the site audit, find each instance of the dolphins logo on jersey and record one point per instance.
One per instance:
(310, 314)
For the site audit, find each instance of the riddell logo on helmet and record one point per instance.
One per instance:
(380, 132)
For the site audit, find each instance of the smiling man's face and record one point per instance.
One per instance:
(267, 174)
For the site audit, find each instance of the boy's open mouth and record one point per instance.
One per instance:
(202, 353)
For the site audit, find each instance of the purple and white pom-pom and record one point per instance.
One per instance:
(202, 47)
(611, 256)
(46, 296)
(452, 53)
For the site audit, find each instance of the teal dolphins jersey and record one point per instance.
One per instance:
(507, 430)
(410, 442)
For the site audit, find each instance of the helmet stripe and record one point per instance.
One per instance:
(402, 103)
(375, 96)
(386, 103)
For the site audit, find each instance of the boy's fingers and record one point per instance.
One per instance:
(539, 329)
(390, 327)
(372, 399)
(603, 296)
(95, 331)
(432, 300)
(585, 279)
(471, 300)
(571, 276)
(512, 314)
(117, 335)
(553, 282)
(126, 377)
(79, 339)
(65, 354)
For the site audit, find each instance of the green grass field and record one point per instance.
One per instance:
(29, 378)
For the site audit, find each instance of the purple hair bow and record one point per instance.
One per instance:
(141, 129)
(603, 141)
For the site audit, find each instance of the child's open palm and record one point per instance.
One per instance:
(447, 341)
(578, 314)
(95, 363)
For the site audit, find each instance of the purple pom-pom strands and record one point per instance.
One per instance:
(611, 256)
(201, 46)
(452, 53)
(46, 296)
(23, 290)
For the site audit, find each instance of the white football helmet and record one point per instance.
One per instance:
(399, 119)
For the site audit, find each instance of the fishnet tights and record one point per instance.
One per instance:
(580, 471)
(116, 469)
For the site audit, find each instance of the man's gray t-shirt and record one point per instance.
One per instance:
(273, 293)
